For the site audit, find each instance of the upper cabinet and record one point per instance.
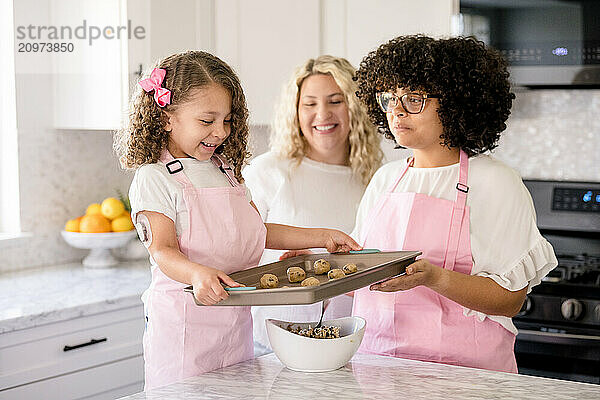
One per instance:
(90, 77)
(263, 40)
(369, 24)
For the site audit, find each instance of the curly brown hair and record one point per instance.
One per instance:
(143, 139)
(471, 80)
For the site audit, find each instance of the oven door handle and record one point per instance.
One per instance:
(555, 337)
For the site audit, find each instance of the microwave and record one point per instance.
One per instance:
(547, 43)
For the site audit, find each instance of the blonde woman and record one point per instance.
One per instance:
(323, 152)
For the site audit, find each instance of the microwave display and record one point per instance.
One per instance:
(546, 42)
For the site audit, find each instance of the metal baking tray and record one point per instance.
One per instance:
(373, 266)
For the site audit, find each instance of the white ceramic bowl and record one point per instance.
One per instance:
(305, 354)
(99, 245)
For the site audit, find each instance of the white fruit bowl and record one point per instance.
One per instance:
(305, 354)
(99, 245)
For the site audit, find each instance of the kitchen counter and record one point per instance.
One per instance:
(51, 294)
(367, 377)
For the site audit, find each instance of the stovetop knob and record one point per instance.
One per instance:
(526, 307)
(571, 309)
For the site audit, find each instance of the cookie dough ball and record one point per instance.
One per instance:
(269, 281)
(312, 281)
(295, 274)
(349, 268)
(322, 266)
(336, 273)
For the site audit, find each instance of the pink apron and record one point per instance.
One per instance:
(418, 323)
(181, 338)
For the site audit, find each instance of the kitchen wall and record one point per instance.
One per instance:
(552, 134)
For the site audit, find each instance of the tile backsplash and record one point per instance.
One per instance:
(551, 134)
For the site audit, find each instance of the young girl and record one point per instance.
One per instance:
(447, 100)
(187, 126)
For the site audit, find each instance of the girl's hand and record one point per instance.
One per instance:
(293, 253)
(207, 285)
(419, 273)
(337, 241)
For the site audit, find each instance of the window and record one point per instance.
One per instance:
(9, 171)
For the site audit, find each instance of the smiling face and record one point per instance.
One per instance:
(324, 119)
(198, 126)
(416, 131)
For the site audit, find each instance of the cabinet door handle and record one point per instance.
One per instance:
(91, 342)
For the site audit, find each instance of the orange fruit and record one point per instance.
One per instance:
(122, 223)
(93, 208)
(94, 223)
(112, 208)
(72, 225)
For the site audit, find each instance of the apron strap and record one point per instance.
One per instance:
(175, 167)
(458, 212)
(409, 163)
(219, 162)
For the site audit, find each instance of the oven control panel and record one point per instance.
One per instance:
(566, 206)
(559, 309)
(576, 199)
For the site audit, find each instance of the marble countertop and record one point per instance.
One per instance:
(367, 377)
(50, 294)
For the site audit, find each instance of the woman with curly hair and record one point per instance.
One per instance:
(472, 217)
(188, 125)
(324, 150)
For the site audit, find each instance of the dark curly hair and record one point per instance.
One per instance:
(143, 139)
(471, 80)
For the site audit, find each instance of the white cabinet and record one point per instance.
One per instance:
(263, 40)
(369, 24)
(97, 357)
(90, 82)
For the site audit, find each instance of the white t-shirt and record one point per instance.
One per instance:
(154, 189)
(506, 244)
(311, 194)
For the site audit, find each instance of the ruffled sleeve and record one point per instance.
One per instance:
(531, 268)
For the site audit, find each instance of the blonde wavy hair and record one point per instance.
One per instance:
(144, 137)
(287, 139)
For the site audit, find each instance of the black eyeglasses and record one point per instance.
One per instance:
(412, 103)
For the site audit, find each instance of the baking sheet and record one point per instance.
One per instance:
(372, 267)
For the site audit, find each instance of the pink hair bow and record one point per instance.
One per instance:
(162, 96)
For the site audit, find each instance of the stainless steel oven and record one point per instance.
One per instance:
(559, 324)
(551, 43)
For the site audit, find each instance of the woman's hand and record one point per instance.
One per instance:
(419, 273)
(293, 253)
(207, 285)
(337, 241)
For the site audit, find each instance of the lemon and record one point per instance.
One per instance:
(112, 208)
(122, 223)
(94, 223)
(93, 208)
(72, 225)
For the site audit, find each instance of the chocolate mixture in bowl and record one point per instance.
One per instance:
(324, 332)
